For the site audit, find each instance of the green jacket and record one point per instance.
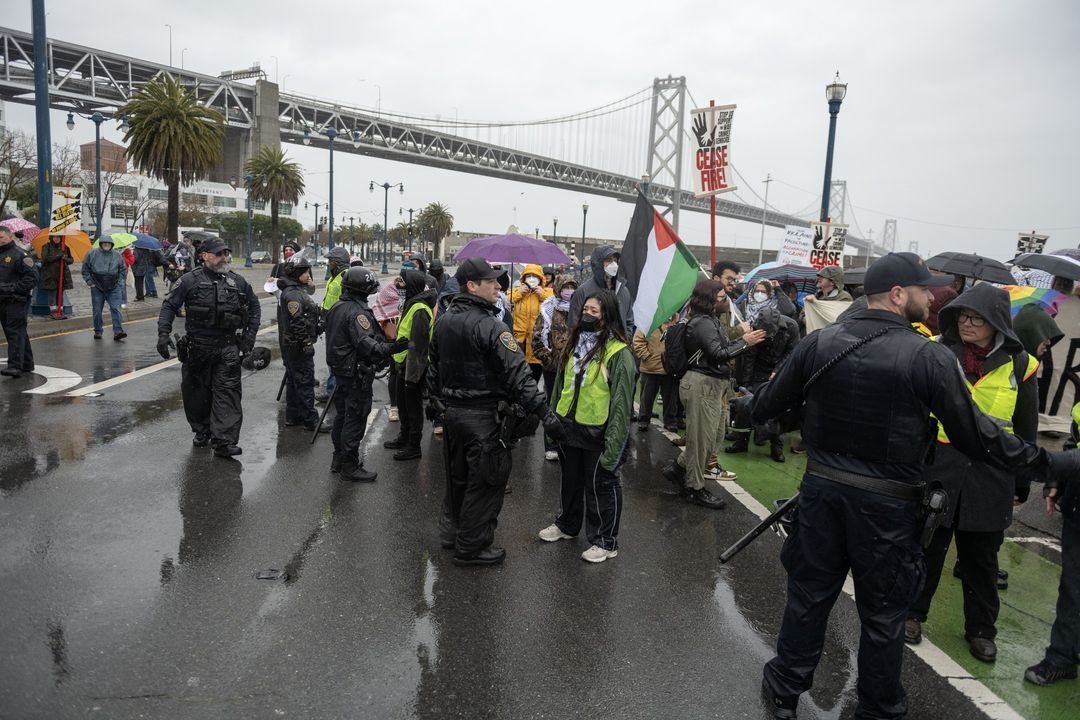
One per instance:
(622, 377)
(333, 291)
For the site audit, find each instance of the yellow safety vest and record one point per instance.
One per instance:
(594, 397)
(1076, 414)
(405, 328)
(995, 393)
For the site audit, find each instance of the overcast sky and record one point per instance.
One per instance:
(960, 119)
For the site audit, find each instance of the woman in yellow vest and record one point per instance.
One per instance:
(977, 327)
(593, 395)
(411, 364)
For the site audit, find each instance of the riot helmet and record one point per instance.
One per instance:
(360, 281)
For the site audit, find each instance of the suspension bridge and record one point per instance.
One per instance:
(599, 151)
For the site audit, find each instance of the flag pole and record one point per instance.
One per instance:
(712, 217)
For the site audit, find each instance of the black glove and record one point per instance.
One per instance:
(164, 342)
(554, 427)
(398, 345)
(435, 409)
(309, 350)
(246, 344)
(1064, 468)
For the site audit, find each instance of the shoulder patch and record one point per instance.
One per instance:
(293, 307)
(7, 259)
(508, 341)
(363, 322)
(28, 261)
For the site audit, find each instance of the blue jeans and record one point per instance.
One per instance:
(151, 287)
(114, 297)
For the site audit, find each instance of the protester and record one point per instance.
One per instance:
(299, 327)
(942, 297)
(387, 311)
(550, 334)
(411, 364)
(550, 271)
(830, 283)
(356, 349)
(594, 397)
(337, 262)
(732, 320)
(56, 260)
(289, 249)
(605, 271)
(104, 272)
(144, 268)
(476, 368)
(765, 295)
(221, 317)
(435, 269)
(860, 501)
(1036, 330)
(705, 390)
(976, 327)
(18, 276)
(654, 379)
(525, 301)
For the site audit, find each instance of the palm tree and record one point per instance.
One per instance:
(274, 179)
(438, 222)
(172, 138)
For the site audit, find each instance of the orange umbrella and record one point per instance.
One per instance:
(78, 244)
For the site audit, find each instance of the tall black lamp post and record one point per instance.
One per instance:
(834, 93)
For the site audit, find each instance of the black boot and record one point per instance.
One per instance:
(409, 452)
(742, 442)
(353, 471)
(335, 463)
(397, 443)
(776, 451)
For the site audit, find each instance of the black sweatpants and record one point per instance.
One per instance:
(1064, 649)
(410, 404)
(352, 405)
(211, 388)
(668, 390)
(977, 553)
(13, 320)
(840, 528)
(477, 470)
(299, 386)
(392, 384)
(591, 493)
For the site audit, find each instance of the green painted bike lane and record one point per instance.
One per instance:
(1027, 606)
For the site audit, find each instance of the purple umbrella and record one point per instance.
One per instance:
(513, 248)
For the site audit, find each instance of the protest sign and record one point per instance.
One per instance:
(797, 245)
(712, 157)
(828, 241)
(66, 211)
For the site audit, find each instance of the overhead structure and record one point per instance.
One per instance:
(888, 238)
(838, 201)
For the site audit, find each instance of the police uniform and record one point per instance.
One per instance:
(866, 387)
(221, 317)
(356, 349)
(18, 276)
(475, 365)
(298, 330)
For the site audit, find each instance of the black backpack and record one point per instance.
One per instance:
(675, 360)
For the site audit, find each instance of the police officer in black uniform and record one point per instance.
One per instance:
(221, 318)
(356, 349)
(866, 387)
(299, 326)
(476, 365)
(18, 277)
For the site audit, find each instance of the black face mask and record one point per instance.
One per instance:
(589, 323)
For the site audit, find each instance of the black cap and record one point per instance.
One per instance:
(476, 269)
(213, 246)
(900, 269)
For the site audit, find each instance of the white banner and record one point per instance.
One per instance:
(797, 246)
(66, 211)
(829, 240)
(1030, 242)
(822, 313)
(711, 128)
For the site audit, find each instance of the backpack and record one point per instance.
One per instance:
(674, 358)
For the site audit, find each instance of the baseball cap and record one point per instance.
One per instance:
(900, 269)
(213, 247)
(476, 269)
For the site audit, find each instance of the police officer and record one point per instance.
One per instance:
(356, 349)
(869, 384)
(299, 326)
(475, 365)
(221, 318)
(18, 276)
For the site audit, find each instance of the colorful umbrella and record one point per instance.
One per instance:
(119, 240)
(78, 244)
(804, 277)
(513, 248)
(147, 242)
(17, 225)
(1047, 299)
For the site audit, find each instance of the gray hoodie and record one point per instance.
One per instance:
(600, 281)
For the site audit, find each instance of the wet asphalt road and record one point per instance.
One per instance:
(128, 588)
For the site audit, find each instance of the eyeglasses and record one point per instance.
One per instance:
(224, 253)
(973, 320)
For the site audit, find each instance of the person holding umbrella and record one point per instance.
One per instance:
(104, 272)
(56, 263)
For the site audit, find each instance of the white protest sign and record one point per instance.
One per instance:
(1031, 242)
(66, 211)
(828, 240)
(712, 161)
(797, 246)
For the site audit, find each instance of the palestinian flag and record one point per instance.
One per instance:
(659, 270)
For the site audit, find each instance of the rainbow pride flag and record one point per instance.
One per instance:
(1045, 298)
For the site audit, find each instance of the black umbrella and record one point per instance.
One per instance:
(1057, 265)
(973, 266)
(199, 236)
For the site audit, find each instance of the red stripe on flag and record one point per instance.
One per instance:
(665, 234)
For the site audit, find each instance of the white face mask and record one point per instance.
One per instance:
(760, 297)
(612, 269)
(532, 282)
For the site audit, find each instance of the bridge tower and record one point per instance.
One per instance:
(241, 143)
(838, 201)
(888, 238)
(664, 163)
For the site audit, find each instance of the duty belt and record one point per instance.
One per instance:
(881, 486)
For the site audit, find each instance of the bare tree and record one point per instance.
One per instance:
(18, 161)
(67, 168)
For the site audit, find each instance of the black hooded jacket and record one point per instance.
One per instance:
(981, 495)
(355, 343)
(600, 281)
(760, 361)
(418, 289)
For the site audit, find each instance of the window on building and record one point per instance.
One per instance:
(285, 208)
(195, 199)
(157, 194)
(224, 202)
(123, 212)
(259, 204)
(125, 192)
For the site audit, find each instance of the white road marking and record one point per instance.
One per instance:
(1052, 543)
(56, 379)
(136, 374)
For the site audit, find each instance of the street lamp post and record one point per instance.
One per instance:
(555, 230)
(97, 119)
(584, 215)
(352, 243)
(764, 212)
(834, 93)
(386, 214)
(250, 220)
(330, 133)
(410, 211)
(315, 235)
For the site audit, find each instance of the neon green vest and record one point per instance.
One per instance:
(1076, 413)
(405, 328)
(594, 398)
(995, 394)
(333, 291)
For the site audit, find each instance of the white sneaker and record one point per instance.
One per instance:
(597, 554)
(392, 414)
(552, 533)
(551, 455)
(437, 431)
